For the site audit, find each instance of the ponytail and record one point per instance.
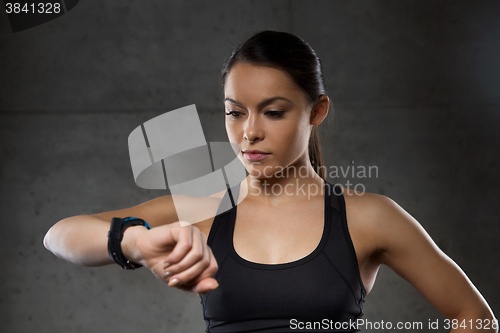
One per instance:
(315, 155)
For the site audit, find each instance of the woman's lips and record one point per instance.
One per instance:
(255, 156)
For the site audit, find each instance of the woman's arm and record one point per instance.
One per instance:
(411, 253)
(83, 240)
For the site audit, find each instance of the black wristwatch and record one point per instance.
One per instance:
(115, 236)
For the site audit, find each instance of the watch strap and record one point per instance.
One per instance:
(115, 236)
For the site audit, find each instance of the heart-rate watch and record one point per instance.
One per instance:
(115, 236)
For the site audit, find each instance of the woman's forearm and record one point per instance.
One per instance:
(83, 240)
(80, 239)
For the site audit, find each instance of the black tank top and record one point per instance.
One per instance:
(321, 292)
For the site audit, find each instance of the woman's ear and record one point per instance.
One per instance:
(320, 110)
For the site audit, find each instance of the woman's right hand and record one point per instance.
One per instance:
(178, 255)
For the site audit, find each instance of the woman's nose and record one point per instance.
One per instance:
(253, 131)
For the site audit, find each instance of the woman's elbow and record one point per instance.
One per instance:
(47, 239)
(480, 318)
(54, 239)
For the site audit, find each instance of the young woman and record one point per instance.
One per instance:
(297, 250)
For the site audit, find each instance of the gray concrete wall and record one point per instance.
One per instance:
(415, 86)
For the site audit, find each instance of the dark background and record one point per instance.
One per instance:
(415, 87)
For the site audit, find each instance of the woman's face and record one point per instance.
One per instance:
(266, 112)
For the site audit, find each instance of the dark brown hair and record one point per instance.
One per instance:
(290, 53)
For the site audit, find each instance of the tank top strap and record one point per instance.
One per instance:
(220, 233)
(340, 248)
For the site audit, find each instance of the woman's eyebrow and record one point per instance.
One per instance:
(263, 103)
(233, 101)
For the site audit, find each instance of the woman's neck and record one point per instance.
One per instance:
(285, 186)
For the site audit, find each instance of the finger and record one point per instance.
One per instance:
(197, 252)
(201, 269)
(205, 285)
(202, 287)
(208, 273)
(207, 267)
(183, 237)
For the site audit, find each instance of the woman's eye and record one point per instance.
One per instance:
(275, 114)
(233, 114)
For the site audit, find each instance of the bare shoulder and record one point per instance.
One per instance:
(372, 219)
(374, 208)
(383, 223)
(365, 208)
